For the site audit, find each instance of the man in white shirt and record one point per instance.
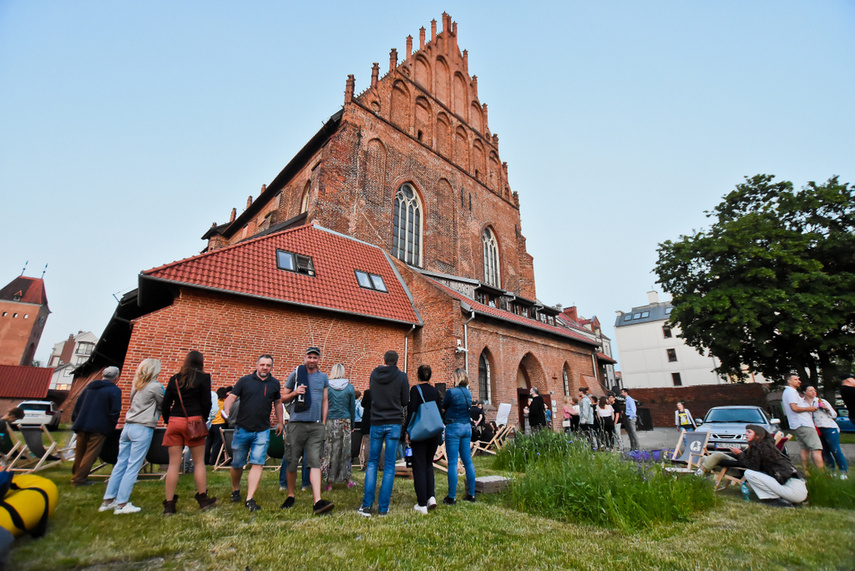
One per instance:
(800, 419)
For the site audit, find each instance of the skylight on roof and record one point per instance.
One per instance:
(291, 262)
(370, 281)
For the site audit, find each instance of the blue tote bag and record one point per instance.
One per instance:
(426, 423)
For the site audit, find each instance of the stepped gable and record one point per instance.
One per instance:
(25, 290)
(431, 97)
(250, 268)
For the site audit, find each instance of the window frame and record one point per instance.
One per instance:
(300, 263)
(407, 240)
(371, 280)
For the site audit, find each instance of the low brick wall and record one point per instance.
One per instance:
(662, 402)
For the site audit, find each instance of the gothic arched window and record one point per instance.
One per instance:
(484, 384)
(407, 237)
(491, 259)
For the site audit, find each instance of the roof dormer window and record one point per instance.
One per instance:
(370, 281)
(291, 262)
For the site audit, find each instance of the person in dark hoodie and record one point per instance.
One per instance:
(95, 415)
(389, 388)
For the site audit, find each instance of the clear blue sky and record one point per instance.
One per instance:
(127, 128)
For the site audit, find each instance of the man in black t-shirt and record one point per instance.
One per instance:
(258, 393)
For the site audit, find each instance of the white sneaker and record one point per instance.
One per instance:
(431, 503)
(111, 506)
(844, 476)
(128, 508)
(364, 512)
(700, 472)
(421, 509)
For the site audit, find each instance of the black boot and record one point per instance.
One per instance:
(204, 501)
(169, 505)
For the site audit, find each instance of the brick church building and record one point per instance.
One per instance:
(394, 227)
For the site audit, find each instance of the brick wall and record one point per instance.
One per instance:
(231, 332)
(662, 402)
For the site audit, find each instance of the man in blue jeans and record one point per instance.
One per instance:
(389, 395)
(258, 393)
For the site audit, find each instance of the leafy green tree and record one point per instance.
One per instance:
(771, 284)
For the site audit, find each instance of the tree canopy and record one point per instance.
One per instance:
(771, 284)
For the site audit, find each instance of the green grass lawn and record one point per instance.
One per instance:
(486, 535)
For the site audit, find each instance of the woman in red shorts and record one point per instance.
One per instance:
(187, 397)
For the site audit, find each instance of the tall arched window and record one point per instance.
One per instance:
(304, 201)
(491, 259)
(484, 378)
(407, 238)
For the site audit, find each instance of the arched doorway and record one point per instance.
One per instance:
(530, 374)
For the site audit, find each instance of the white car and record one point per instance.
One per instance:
(37, 413)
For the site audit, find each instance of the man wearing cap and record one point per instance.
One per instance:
(258, 392)
(95, 415)
(307, 389)
(800, 418)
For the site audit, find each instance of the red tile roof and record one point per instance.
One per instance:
(605, 358)
(513, 317)
(18, 382)
(249, 268)
(28, 290)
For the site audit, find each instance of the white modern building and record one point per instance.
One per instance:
(652, 354)
(67, 355)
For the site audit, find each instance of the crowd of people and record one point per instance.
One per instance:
(322, 413)
(599, 419)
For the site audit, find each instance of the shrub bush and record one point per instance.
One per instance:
(567, 481)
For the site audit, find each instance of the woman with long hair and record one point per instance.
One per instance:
(140, 422)
(458, 435)
(683, 418)
(606, 414)
(423, 450)
(187, 398)
(336, 464)
(767, 471)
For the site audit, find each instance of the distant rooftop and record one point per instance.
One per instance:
(654, 311)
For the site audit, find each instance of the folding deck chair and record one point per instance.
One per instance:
(10, 447)
(276, 449)
(690, 449)
(225, 454)
(41, 457)
(157, 455)
(109, 454)
(495, 444)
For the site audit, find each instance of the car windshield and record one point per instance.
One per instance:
(35, 407)
(739, 415)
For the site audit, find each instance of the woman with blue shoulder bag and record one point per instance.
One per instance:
(423, 450)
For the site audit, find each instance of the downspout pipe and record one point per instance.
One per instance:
(407, 347)
(466, 307)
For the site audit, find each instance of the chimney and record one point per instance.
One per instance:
(375, 73)
(249, 201)
(484, 115)
(652, 297)
(466, 61)
(433, 30)
(409, 53)
(422, 38)
(393, 59)
(571, 313)
(348, 88)
(263, 188)
(233, 215)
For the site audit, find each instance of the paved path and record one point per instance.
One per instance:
(660, 438)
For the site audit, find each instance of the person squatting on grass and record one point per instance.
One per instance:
(423, 450)
(768, 472)
(307, 388)
(140, 422)
(258, 392)
(187, 396)
(388, 390)
(458, 434)
(800, 419)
